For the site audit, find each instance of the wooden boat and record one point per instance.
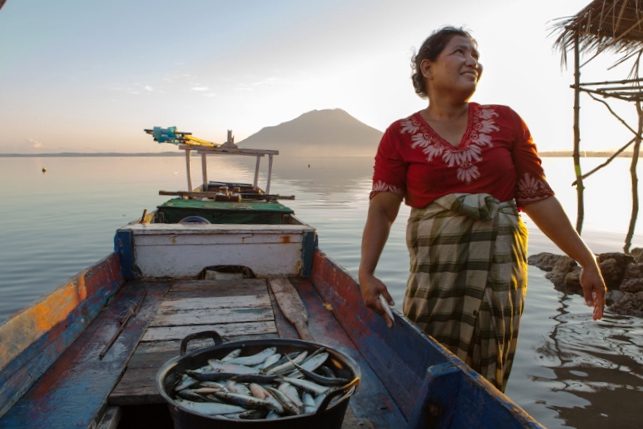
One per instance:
(88, 354)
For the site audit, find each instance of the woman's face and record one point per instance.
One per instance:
(455, 70)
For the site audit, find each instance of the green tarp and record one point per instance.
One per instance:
(247, 212)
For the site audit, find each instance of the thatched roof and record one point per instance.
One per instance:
(615, 25)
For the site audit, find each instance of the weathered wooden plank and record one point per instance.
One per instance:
(211, 316)
(291, 306)
(284, 328)
(74, 389)
(136, 387)
(217, 288)
(225, 329)
(152, 354)
(261, 300)
(169, 346)
(33, 339)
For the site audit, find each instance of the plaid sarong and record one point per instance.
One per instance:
(468, 278)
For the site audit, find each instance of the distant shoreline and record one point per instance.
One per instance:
(88, 154)
(544, 154)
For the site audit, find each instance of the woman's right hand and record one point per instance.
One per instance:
(372, 288)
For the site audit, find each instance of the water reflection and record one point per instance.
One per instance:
(581, 373)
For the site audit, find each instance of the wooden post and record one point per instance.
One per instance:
(204, 170)
(256, 181)
(187, 168)
(269, 173)
(634, 180)
(580, 187)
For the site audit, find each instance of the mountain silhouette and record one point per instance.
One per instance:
(327, 132)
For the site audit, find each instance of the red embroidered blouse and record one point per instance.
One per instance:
(496, 156)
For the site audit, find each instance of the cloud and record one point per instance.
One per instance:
(148, 88)
(35, 144)
(199, 88)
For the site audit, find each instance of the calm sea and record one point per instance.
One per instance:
(570, 372)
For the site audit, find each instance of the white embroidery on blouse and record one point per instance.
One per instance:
(483, 124)
(532, 188)
(381, 186)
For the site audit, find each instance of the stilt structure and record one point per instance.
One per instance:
(614, 26)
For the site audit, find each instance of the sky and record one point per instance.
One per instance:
(89, 76)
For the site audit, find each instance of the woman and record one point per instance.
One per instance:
(466, 170)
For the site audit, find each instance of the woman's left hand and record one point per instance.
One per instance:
(594, 289)
(552, 220)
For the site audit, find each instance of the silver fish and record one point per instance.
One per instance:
(272, 415)
(233, 354)
(219, 366)
(186, 381)
(270, 360)
(191, 395)
(255, 414)
(277, 407)
(212, 384)
(244, 400)
(306, 385)
(208, 390)
(309, 403)
(313, 362)
(320, 379)
(255, 359)
(258, 391)
(235, 387)
(281, 360)
(289, 406)
(387, 308)
(292, 393)
(210, 408)
(287, 366)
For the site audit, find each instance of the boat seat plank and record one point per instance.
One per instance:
(371, 403)
(210, 288)
(74, 389)
(161, 333)
(259, 300)
(212, 316)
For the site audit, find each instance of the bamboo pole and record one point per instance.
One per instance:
(255, 182)
(204, 171)
(580, 187)
(634, 180)
(187, 168)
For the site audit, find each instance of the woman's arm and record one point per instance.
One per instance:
(550, 217)
(382, 211)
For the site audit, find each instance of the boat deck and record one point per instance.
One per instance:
(109, 372)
